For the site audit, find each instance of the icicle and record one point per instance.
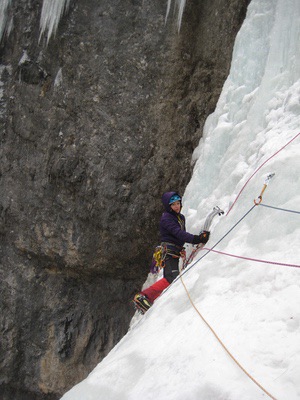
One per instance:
(58, 79)
(168, 10)
(180, 5)
(180, 13)
(51, 14)
(4, 25)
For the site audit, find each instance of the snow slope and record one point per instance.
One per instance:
(170, 353)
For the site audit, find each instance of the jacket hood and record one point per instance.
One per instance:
(166, 199)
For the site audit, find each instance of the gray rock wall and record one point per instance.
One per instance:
(94, 128)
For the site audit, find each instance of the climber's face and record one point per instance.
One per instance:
(176, 206)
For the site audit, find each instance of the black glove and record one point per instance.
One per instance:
(202, 238)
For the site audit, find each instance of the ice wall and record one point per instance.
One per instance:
(259, 104)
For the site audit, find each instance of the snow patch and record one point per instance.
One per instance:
(58, 79)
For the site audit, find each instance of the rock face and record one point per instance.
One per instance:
(95, 126)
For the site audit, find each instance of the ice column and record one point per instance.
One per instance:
(179, 4)
(4, 4)
(52, 12)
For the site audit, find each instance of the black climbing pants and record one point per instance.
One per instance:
(171, 269)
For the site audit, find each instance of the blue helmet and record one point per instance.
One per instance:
(174, 198)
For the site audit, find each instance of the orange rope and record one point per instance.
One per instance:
(223, 345)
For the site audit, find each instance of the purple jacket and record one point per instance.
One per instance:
(172, 225)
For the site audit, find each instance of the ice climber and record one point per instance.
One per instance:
(173, 236)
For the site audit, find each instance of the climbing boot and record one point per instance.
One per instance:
(141, 303)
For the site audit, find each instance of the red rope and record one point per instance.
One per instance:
(258, 170)
(252, 259)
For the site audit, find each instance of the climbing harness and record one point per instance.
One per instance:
(159, 256)
(167, 249)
